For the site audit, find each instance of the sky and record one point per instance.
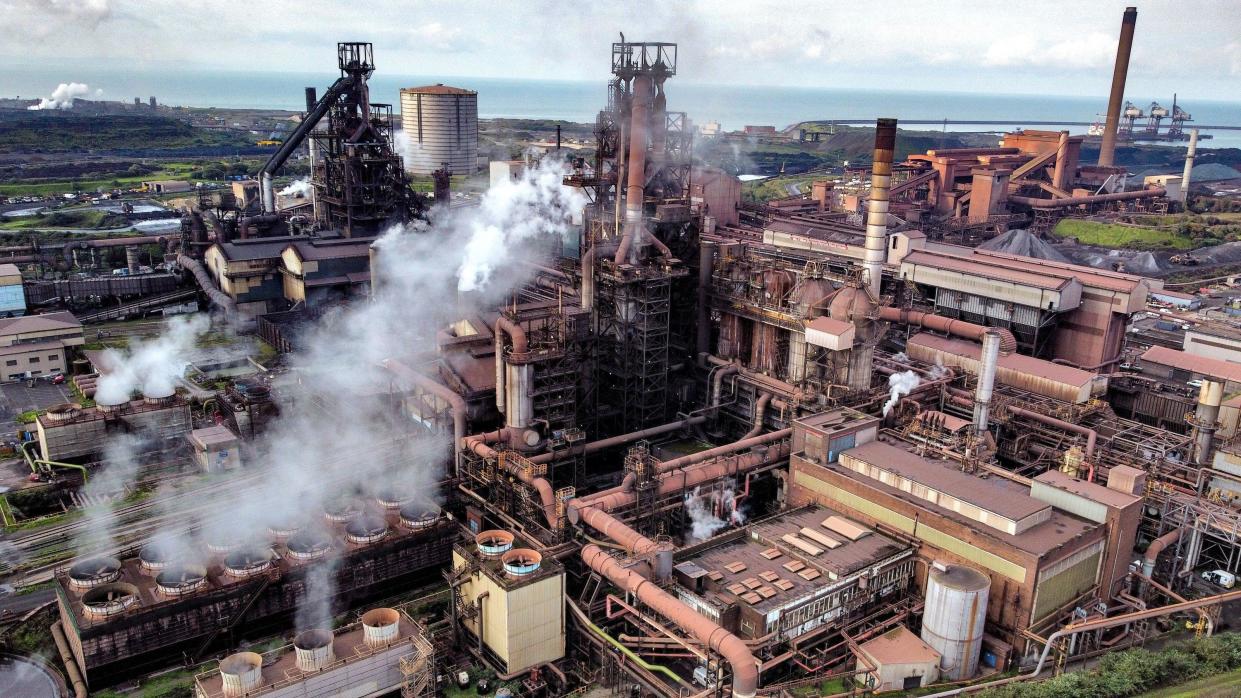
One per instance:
(1053, 47)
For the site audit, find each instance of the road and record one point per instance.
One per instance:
(1009, 122)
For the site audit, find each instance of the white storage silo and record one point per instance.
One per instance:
(956, 611)
(441, 129)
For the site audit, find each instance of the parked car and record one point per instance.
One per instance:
(1221, 578)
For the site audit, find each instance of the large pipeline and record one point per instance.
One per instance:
(1107, 151)
(596, 446)
(1151, 556)
(268, 190)
(207, 284)
(986, 379)
(440, 391)
(703, 629)
(939, 323)
(877, 208)
(1034, 202)
(964, 399)
(71, 665)
(480, 445)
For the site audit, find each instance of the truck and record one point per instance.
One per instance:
(1221, 578)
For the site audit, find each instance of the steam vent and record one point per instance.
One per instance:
(610, 419)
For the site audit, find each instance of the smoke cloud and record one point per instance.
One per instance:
(152, 367)
(300, 187)
(62, 97)
(899, 385)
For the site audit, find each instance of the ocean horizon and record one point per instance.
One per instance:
(733, 106)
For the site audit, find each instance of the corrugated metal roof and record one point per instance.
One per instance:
(899, 646)
(1092, 491)
(981, 493)
(1013, 362)
(62, 320)
(1212, 368)
(1088, 276)
(970, 266)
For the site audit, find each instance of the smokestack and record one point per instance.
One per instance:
(311, 99)
(986, 379)
(131, 258)
(557, 136)
(1189, 164)
(1060, 176)
(1107, 151)
(877, 216)
(639, 138)
(1210, 397)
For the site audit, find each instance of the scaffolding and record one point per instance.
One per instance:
(632, 371)
(418, 668)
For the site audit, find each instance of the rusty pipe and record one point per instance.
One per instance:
(744, 443)
(588, 279)
(635, 189)
(1060, 176)
(1107, 151)
(708, 632)
(760, 410)
(939, 323)
(717, 382)
(71, 665)
(877, 208)
(1034, 202)
(517, 335)
(596, 446)
(440, 391)
(481, 445)
(964, 399)
(1151, 556)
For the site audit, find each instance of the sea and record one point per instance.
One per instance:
(733, 106)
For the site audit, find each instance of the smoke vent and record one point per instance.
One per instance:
(493, 544)
(94, 572)
(393, 499)
(366, 530)
(222, 543)
(179, 580)
(159, 397)
(418, 515)
(314, 650)
(241, 673)
(308, 545)
(341, 512)
(64, 412)
(247, 562)
(154, 558)
(521, 562)
(283, 530)
(109, 600)
(109, 407)
(381, 627)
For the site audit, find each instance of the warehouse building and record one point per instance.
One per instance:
(38, 345)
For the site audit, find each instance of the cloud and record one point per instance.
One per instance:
(438, 37)
(1094, 50)
(49, 17)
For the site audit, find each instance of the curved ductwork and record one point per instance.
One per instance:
(479, 444)
(946, 325)
(1157, 546)
(1033, 202)
(207, 284)
(709, 633)
(596, 446)
(439, 390)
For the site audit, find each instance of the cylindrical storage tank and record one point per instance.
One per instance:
(241, 673)
(493, 544)
(308, 545)
(313, 649)
(419, 515)
(521, 562)
(94, 571)
(441, 128)
(381, 627)
(109, 600)
(956, 611)
(366, 530)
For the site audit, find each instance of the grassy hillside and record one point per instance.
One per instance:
(1111, 235)
(59, 132)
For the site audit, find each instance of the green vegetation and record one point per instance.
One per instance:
(824, 688)
(174, 684)
(27, 417)
(1222, 686)
(60, 132)
(1136, 671)
(78, 218)
(34, 636)
(761, 190)
(1113, 235)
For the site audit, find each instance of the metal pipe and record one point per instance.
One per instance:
(744, 443)
(965, 400)
(499, 349)
(1107, 150)
(939, 323)
(623, 649)
(1034, 202)
(71, 665)
(1210, 397)
(635, 190)
(205, 282)
(1189, 164)
(588, 279)
(439, 390)
(877, 209)
(986, 379)
(1151, 556)
(729, 646)
(760, 410)
(706, 263)
(717, 382)
(596, 446)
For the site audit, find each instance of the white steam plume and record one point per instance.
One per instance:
(899, 385)
(151, 366)
(712, 511)
(300, 187)
(347, 435)
(62, 97)
(122, 460)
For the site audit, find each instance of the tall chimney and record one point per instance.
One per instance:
(1210, 396)
(986, 379)
(1107, 151)
(639, 138)
(877, 216)
(1189, 164)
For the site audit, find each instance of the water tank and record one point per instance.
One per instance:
(313, 650)
(441, 128)
(956, 611)
(381, 627)
(241, 673)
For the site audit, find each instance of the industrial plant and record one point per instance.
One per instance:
(616, 427)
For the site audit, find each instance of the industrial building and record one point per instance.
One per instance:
(710, 448)
(441, 129)
(38, 345)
